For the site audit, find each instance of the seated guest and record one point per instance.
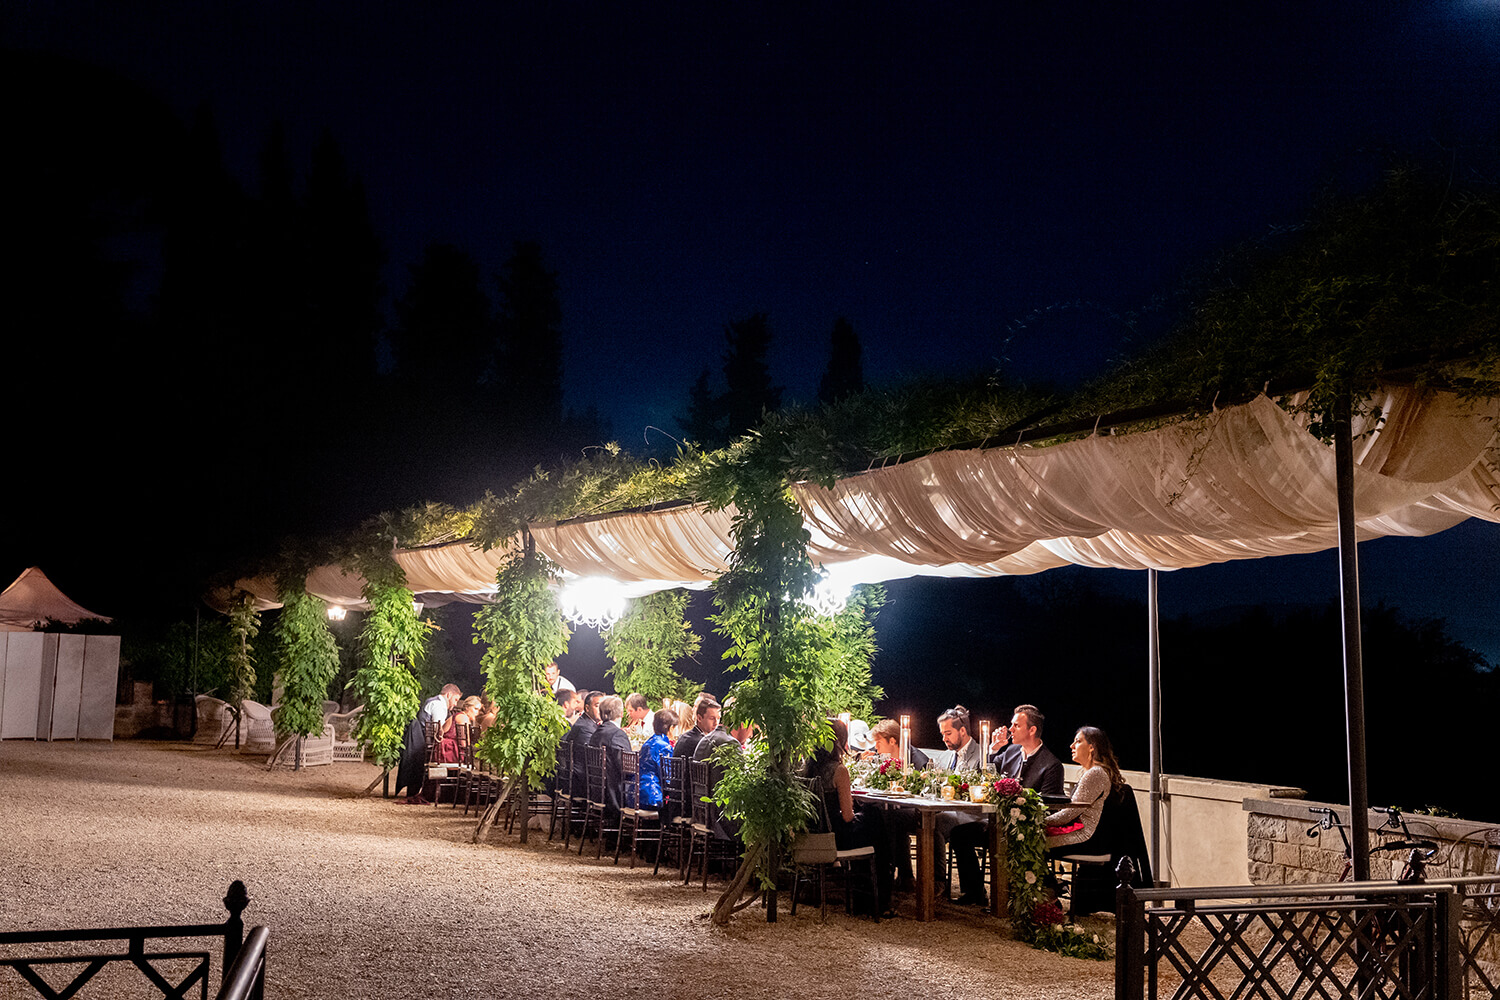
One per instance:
(582, 732)
(651, 753)
(900, 824)
(637, 716)
(1073, 826)
(706, 715)
(964, 754)
(683, 712)
(861, 742)
(887, 736)
(1026, 759)
(851, 829)
(571, 703)
(465, 714)
(610, 736)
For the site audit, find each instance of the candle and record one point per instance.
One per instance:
(905, 749)
(984, 737)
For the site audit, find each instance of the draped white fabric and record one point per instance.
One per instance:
(1240, 483)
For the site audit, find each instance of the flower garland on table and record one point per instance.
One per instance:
(1034, 911)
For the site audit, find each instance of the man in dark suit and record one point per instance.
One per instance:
(615, 742)
(582, 732)
(706, 719)
(1026, 759)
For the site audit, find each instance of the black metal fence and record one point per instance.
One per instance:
(243, 963)
(1371, 940)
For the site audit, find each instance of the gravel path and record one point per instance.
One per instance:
(366, 898)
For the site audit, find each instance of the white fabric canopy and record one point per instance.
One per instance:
(32, 599)
(1240, 483)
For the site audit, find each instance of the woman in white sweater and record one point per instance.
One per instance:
(1100, 776)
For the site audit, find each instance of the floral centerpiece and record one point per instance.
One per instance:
(886, 775)
(1034, 911)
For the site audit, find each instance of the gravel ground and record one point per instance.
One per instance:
(366, 898)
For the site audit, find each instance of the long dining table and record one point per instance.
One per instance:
(927, 810)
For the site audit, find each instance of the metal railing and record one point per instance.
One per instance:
(1416, 941)
(243, 960)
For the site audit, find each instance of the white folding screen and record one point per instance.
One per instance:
(58, 687)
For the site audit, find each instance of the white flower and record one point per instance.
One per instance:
(1096, 939)
(1031, 878)
(1015, 813)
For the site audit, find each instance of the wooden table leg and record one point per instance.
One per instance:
(999, 871)
(926, 890)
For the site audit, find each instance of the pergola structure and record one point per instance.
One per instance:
(1241, 482)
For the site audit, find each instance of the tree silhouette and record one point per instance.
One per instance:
(713, 420)
(530, 358)
(844, 375)
(750, 392)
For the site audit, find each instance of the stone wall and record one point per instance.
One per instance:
(1281, 853)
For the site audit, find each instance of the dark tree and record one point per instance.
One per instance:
(344, 258)
(845, 375)
(444, 334)
(749, 392)
(530, 358)
(704, 421)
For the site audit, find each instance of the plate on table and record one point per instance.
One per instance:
(897, 795)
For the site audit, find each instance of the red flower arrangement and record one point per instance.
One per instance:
(1008, 786)
(1048, 913)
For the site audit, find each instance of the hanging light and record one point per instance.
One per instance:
(336, 612)
(595, 600)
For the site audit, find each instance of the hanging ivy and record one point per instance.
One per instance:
(524, 632)
(392, 643)
(847, 686)
(644, 644)
(309, 658)
(244, 625)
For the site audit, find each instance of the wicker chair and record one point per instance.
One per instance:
(817, 852)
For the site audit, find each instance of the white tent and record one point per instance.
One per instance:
(53, 686)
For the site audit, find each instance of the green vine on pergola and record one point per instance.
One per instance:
(524, 631)
(392, 641)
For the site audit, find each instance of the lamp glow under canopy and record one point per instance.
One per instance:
(594, 600)
(831, 594)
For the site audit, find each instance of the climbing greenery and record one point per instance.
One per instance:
(309, 658)
(244, 625)
(524, 632)
(393, 641)
(1402, 280)
(846, 682)
(645, 643)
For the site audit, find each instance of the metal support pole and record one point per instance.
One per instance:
(1354, 685)
(1153, 709)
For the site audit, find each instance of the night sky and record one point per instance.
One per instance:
(1022, 187)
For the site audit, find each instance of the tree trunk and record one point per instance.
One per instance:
(493, 812)
(729, 902)
(385, 773)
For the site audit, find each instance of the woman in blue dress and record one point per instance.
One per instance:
(652, 751)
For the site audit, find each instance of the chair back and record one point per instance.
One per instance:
(463, 739)
(562, 777)
(593, 764)
(701, 807)
(434, 734)
(630, 775)
(674, 785)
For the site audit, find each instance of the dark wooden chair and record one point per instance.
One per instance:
(704, 827)
(676, 817)
(596, 813)
(644, 822)
(1087, 874)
